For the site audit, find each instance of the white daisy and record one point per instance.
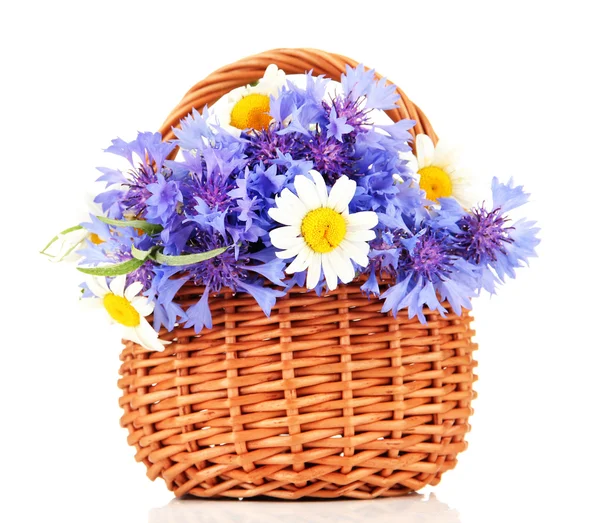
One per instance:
(64, 245)
(248, 107)
(125, 307)
(320, 232)
(438, 174)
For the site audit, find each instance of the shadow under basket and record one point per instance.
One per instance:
(326, 398)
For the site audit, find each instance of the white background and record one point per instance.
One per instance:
(516, 84)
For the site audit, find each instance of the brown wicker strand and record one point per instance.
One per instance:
(325, 398)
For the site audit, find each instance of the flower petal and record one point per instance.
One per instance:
(133, 290)
(146, 336)
(98, 286)
(291, 251)
(362, 220)
(284, 237)
(329, 271)
(307, 192)
(283, 215)
(143, 305)
(302, 261)
(425, 150)
(363, 235)
(341, 193)
(445, 155)
(291, 206)
(342, 264)
(117, 286)
(320, 186)
(357, 251)
(314, 271)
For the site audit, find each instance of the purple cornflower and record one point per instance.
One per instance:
(164, 200)
(360, 82)
(429, 272)
(428, 255)
(239, 273)
(342, 107)
(266, 145)
(134, 200)
(212, 190)
(337, 126)
(330, 157)
(486, 240)
(484, 235)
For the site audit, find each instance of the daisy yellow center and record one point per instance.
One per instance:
(435, 182)
(95, 239)
(121, 310)
(252, 112)
(323, 229)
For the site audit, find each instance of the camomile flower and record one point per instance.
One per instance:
(320, 233)
(126, 307)
(438, 174)
(248, 107)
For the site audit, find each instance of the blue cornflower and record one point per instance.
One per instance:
(337, 126)
(359, 82)
(132, 193)
(166, 195)
(429, 272)
(240, 274)
(488, 240)
(267, 145)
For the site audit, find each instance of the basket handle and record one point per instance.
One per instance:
(292, 61)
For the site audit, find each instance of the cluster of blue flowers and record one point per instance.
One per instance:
(217, 192)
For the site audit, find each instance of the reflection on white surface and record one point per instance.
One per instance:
(415, 508)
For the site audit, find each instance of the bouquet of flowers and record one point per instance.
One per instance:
(293, 181)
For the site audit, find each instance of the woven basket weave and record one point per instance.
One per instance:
(326, 398)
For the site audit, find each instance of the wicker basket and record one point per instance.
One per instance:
(326, 398)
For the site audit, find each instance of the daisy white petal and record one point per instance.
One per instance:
(446, 156)
(362, 220)
(320, 186)
(98, 286)
(341, 194)
(281, 215)
(292, 251)
(364, 235)
(357, 251)
(133, 290)
(343, 265)
(331, 275)
(146, 336)
(143, 305)
(301, 262)
(117, 286)
(314, 271)
(284, 237)
(425, 150)
(307, 192)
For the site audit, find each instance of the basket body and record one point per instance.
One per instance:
(326, 398)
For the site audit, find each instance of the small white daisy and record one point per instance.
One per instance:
(248, 107)
(125, 307)
(320, 232)
(438, 174)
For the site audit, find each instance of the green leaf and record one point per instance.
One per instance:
(55, 239)
(150, 228)
(138, 254)
(186, 259)
(113, 270)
